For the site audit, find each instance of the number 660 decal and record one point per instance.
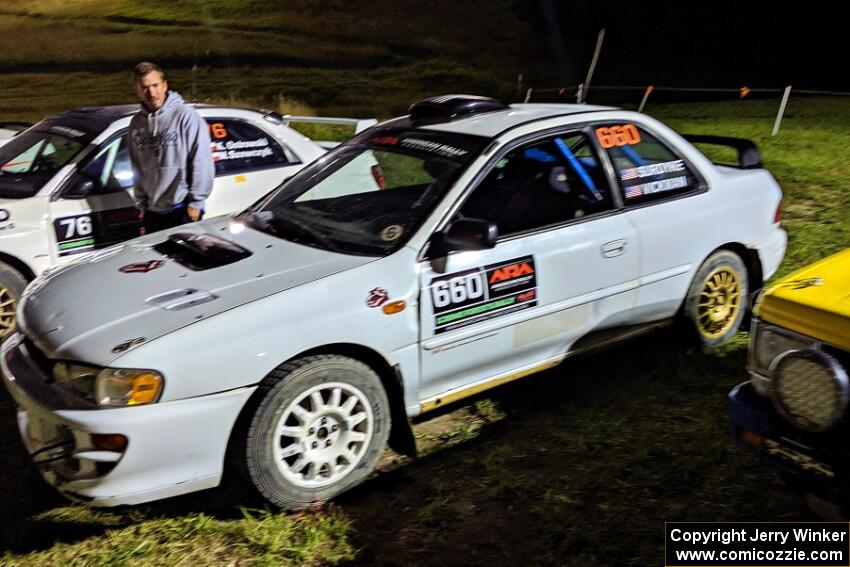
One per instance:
(610, 136)
(458, 289)
(481, 293)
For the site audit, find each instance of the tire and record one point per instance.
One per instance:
(12, 284)
(717, 299)
(300, 446)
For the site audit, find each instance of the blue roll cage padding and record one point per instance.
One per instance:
(633, 155)
(579, 168)
(539, 155)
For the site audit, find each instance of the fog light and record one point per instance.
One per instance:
(810, 389)
(109, 442)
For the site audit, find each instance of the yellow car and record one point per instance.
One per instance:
(793, 411)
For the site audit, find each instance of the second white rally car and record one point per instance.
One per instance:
(66, 183)
(299, 337)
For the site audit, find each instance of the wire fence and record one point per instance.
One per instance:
(624, 93)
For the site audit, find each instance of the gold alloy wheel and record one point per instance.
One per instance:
(719, 303)
(7, 312)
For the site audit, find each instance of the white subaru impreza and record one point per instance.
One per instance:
(297, 338)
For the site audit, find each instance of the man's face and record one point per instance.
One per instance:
(151, 90)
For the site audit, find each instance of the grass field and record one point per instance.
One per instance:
(59, 55)
(580, 465)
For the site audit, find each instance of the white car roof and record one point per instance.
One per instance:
(490, 124)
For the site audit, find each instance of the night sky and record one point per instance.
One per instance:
(717, 44)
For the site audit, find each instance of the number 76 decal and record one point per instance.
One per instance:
(74, 234)
(74, 227)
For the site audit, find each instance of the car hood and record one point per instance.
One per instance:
(102, 305)
(814, 301)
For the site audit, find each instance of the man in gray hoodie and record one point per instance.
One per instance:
(169, 145)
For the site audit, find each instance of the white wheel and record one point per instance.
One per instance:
(318, 429)
(323, 434)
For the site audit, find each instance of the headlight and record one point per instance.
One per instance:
(769, 342)
(113, 387)
(810, 389)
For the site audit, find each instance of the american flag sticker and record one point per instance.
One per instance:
(629, 173)
(633, 191)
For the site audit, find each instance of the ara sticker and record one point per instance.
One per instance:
(392, 232)
(475, 295)
(377, 297)
(141, 267)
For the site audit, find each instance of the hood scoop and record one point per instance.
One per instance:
(200, 252)
(181, 299)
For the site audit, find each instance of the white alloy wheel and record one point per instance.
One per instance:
(323, 434)
(315, 428)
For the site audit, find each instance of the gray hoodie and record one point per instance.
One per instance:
(170, 152)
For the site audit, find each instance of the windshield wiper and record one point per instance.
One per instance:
(258, 220)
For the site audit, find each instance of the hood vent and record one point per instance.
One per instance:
(181, 299)
(200, 252)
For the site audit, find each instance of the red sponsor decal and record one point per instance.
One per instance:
(141, 267)
(377, 297)
(511, 272)
(527, 296)
(385, 140)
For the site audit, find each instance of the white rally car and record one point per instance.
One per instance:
(296, 339)
(66, 183)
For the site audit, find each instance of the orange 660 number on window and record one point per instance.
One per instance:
(610, 136)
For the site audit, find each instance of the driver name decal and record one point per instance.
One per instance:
(471, 296)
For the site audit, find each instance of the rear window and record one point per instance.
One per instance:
(647, 170)
(238, 147)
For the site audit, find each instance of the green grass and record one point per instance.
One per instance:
(578, 466)
(80, 53)
(261, 538)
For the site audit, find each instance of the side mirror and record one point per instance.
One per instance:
(464, 234)
(80, 187)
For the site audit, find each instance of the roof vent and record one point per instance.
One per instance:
(446, 108)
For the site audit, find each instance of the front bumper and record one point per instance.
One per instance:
(817, 462)
(172, 447)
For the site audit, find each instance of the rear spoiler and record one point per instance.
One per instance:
(359, 124)
(749, 156)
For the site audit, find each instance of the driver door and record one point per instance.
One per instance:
(565, 264)
(94, 208)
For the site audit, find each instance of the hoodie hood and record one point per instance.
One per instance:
(172, 101)
(96, 308)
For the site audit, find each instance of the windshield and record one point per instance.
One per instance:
(31, 158)
(371, 194)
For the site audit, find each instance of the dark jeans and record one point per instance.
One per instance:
(155, 222)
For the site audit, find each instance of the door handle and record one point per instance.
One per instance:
(614, 248)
